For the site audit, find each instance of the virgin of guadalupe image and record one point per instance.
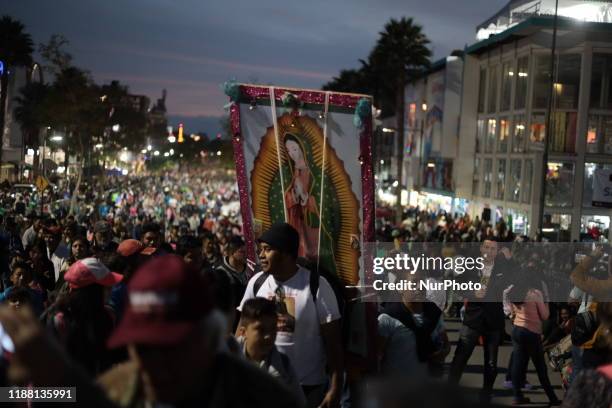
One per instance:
(293, 194)
(302, 211)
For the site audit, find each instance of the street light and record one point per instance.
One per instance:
(149, 147)
(156, 153)
(116, 128)
(172, 139)
(56, 138)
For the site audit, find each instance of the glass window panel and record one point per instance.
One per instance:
(504, 135)
(519, 222)
(480, 134)
(476, 178)
(507, 76)
(541, 85)
(563, 135)
(528, 181)
(501, 179)
(538, 129)
(567, 84)
(482, 89)
(589, 172)
(599, 134)
(559, 184)
(493, 79)
(594, 228)
(557, 227)
(490, 138)
(597, 79)
(514, 186)
(488, 170)
(520, 132)
(522, 78)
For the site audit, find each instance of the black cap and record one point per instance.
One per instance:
(282, 237)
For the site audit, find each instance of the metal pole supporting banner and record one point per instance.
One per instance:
(548, 130)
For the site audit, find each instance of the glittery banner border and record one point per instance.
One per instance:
(367, 181)
(241, 178)
(305, 96)
(360, 363)
(369, 213)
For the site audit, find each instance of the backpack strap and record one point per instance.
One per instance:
(314, 285)
(259, 283)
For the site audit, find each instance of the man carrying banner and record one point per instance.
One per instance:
(308, 316)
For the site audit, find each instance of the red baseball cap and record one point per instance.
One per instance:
(166, 299)
(54, 230)
(129, 247)
(90, 271)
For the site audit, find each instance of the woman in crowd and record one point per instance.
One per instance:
(529, 310)
(42, 267)
(81, 319)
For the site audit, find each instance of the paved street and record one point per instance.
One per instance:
(472, 377)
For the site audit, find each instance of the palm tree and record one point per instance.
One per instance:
(349, 80)
(30, 112)
(400, 55)
(16, 49)
(74, 105)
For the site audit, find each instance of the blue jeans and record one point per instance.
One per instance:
(509, 371)
(527, 345)
(576, 362)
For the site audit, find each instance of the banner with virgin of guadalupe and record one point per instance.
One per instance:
(304, 157)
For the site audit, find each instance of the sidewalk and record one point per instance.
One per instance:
(472, 377)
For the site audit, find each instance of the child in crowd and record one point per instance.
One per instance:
(257, 333)
(22, 277)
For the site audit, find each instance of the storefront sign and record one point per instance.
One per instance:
(602, 188)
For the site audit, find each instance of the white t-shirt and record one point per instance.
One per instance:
(401, 350)
(299, 335)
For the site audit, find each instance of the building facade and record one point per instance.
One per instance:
(431, 136)
(12, 137)
(476, 122)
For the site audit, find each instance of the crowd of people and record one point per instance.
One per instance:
(553, 298)
(149, 291)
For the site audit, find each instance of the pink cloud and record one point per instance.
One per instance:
(239, 66)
